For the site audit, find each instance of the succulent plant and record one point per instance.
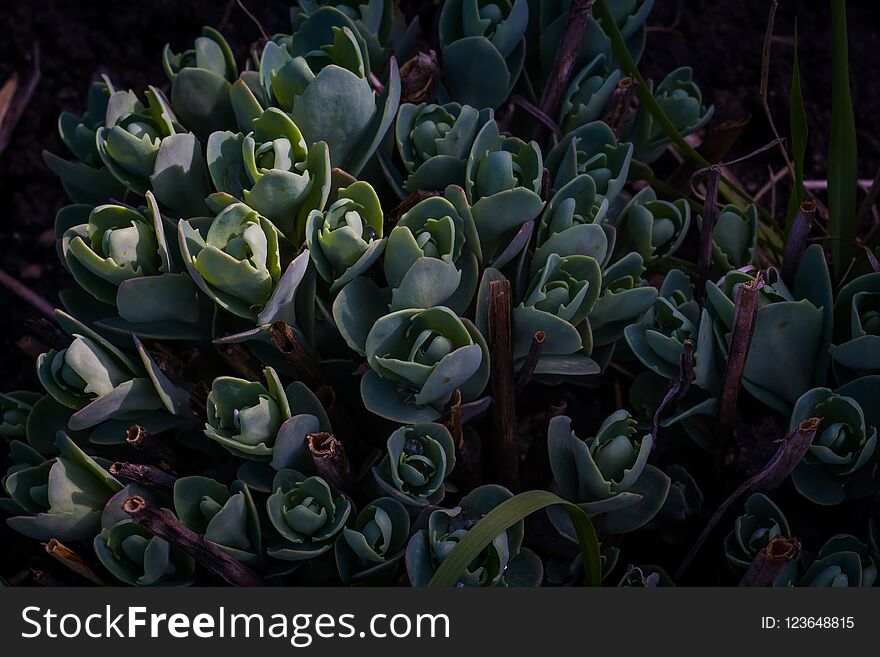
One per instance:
(269, 167)
(844, 561)
(761, 522)
(856, 328)
(418, 358)
(235, 259)
(682, 101)
(306, 514)
(62, 498)
(434, 142)
(108, 389)
(201, 78)
(650, 227)
(610, 476)
(418, 460)
(225, 516)
(15, 408)
(85, 179)
(734, 238)
(592, 148)
(134, 555)
(504, 562)
(588, 95)
(123, 258)
(645, 577)
(320, 76)
(370, 550)
(491, 32)
(841, 459)
(347, 239)
(146, 148)
(503, 184)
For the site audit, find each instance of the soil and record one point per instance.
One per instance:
(80, 40)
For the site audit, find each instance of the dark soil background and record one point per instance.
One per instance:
(81, 39)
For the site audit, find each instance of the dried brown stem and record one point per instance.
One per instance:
(504, 453)
(531, 362)
(293, 350)
(31, 347)
(240, 360)
(797, 241)
(740, 340)
(679, 387)
(771, 561)
(710, 215)
(330, 459)
(141, 473)
(790, 452)
(141, 439)
(560, 74)
(164, 525)
(621, 101)
(57, 550)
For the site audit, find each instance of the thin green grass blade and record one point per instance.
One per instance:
(799, 135)
(507, 514)
(842, 151)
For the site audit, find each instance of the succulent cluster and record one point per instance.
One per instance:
(286, 304)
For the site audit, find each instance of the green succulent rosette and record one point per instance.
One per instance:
(146, 148)
(503, 186)
(370, 550)
(235, 259)
(307, 515)
(434, 142)
(122, 258)
(752, 531)
(570, 220)
(245, 416)
(15, 408)
(588, 95)
(549, 19)
(137, 557)
(225, 516)
(592, 148)
(681, 101)
(85, 179)
(658, 340)
(857, 328)
(609, 476)
(504, 562)
(418, 358)
(651, 227)
(625, 298)
(839, 463)
(792, 330)
(734, 238)
(270, 168)
(61, 498)
(106, 388)
(429, 258)
(418, 460)
(843, 562)
(201, 78)
(320, 76)
(346, 239)
(487, 31)
(375, 21)
(557, 301)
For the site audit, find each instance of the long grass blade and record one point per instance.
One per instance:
(842, 151)
(504, 516)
